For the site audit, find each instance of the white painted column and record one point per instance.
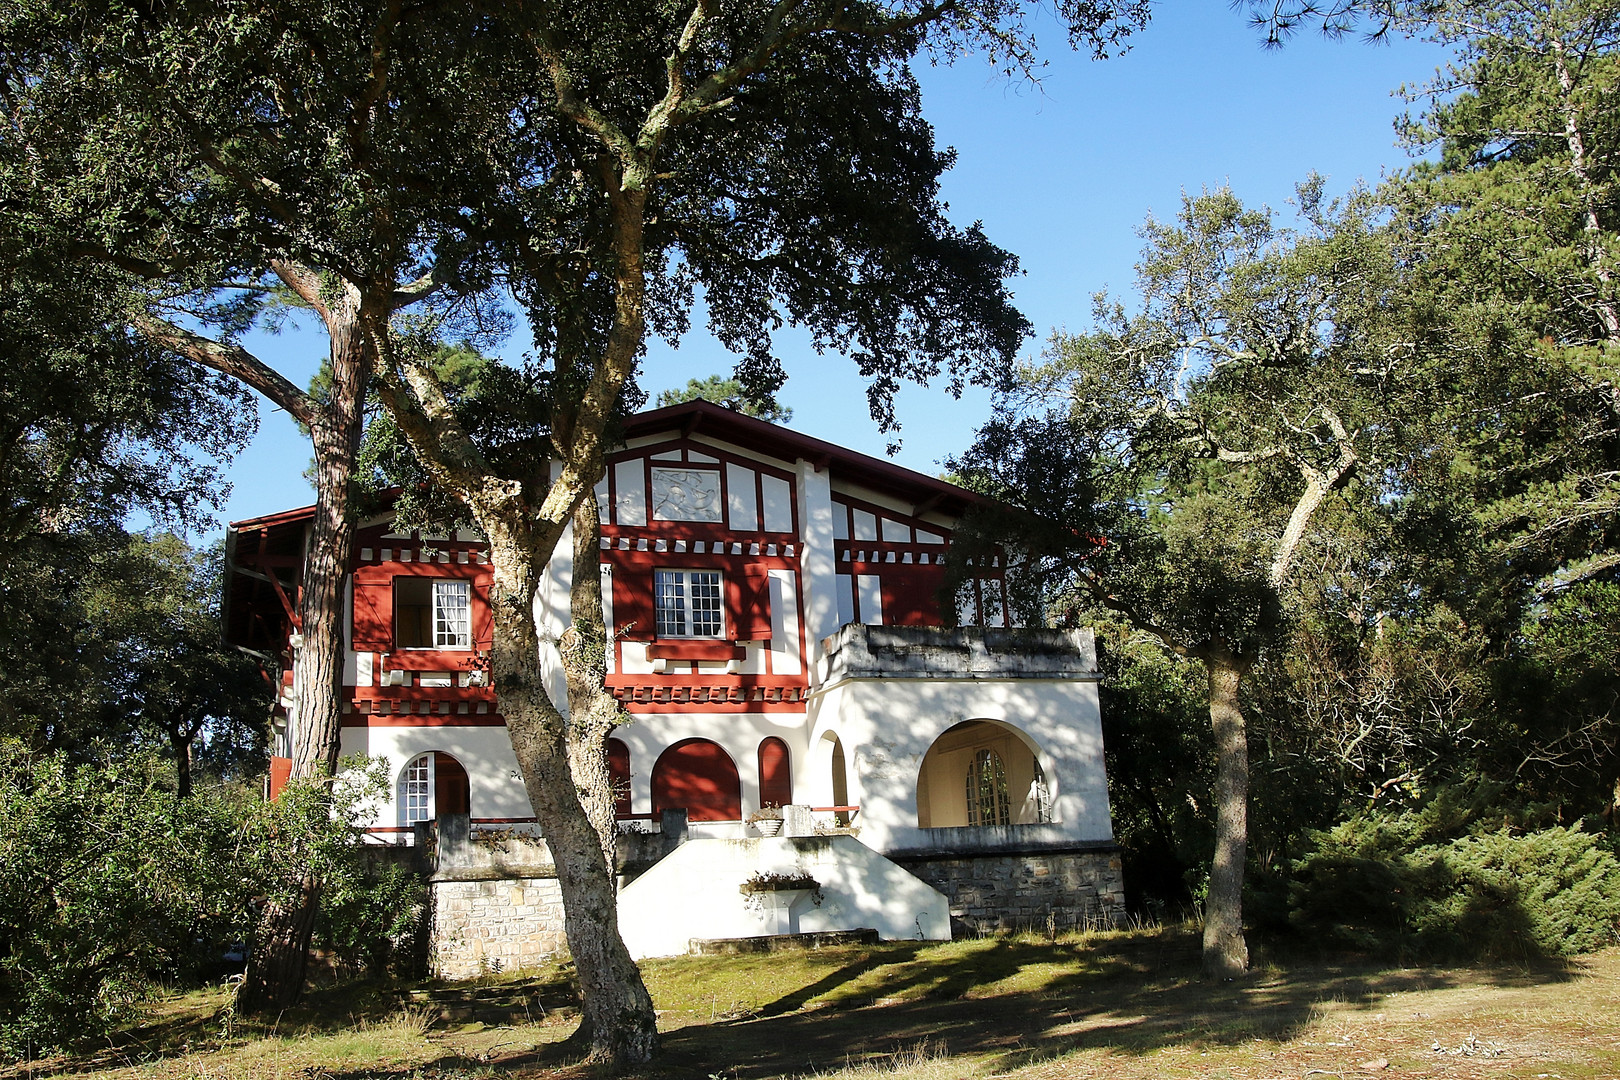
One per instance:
(816, 559)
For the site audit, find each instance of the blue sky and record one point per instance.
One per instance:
(1062, 174)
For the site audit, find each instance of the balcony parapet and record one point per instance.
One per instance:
(861, 651)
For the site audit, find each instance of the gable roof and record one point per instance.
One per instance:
(716, 421)
(719, 422)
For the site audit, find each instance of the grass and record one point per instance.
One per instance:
(1130, 1005)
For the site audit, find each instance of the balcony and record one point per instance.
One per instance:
(860, 651)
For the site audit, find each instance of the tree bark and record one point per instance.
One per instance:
(593, 713)
(1226, 952)
(618, 1022)
(277, 964)
(180, 740)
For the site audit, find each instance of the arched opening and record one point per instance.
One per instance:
(618, 758)
(431, 785)
(982, 772)
(840, 774)
(840, 782)
(775, 773)
(988, 802)
(700, 776)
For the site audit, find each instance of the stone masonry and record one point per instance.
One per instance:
(483, 927)
(1035, 890)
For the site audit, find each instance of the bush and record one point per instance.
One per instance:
(107, 881)
(372, 922)
(1388, 884)
(110, 882)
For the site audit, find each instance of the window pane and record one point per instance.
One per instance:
(669, 595)
(451, 624)
(707, 620)
(418, 791)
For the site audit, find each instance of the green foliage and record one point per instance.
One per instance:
(107, 881)
(111, 644)
(111, 883)
(1157, 748)
(373, 921)
(730, 393)
(1406, 882)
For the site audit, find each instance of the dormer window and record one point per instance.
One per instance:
(432, 613)
(689, 603)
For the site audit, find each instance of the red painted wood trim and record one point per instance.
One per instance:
(653, 708)
(675, 649)
(280, 771)
(434, 694)
(429, 720)
(718, 681)
(648, 561)
(451, 660)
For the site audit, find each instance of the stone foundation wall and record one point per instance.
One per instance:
(481, 927)
(1040, 891)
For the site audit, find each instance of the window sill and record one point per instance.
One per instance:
(428, 659)
(667, 649)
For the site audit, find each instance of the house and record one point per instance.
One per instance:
(776, 639)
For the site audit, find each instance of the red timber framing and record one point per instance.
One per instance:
(910, 572)
(744, 558)
(419, 687)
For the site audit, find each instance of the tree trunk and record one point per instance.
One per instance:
(318, 694)
(180, 744)
(1226, 953)
(593, 713)
(618, 1022)
(276, 965)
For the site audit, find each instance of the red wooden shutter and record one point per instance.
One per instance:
(483, 620)
(618, 756)
(633, 615)
(373, 609)
(775, 773)
(751, 616)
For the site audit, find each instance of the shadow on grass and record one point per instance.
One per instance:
(1131, 997)
(1006, 1003)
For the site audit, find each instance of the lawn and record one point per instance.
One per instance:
(1127, 1005)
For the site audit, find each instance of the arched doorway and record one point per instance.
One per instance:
(699, 775)
(431, 785)
(775, 773)
(982, 772)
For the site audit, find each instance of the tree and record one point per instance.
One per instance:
(728, 392)
(173, 677)
(775, 155)
(307, 155)
(1177, 459)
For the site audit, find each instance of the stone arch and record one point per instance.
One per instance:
(432, 784)
(957, 768)
(700, 776)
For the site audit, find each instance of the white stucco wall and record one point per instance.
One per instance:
(738, 734)
(859, 889)
(887, 725)
(495, 789)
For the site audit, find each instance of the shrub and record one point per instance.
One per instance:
(107, 881)
(1388, 884)
(110, 882)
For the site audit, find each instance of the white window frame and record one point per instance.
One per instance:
(684, 600)
(988, 800)
(449, 604)
(416, 786)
